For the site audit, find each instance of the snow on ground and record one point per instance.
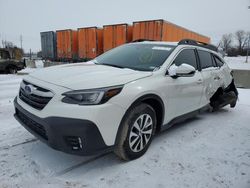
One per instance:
(27, 70)
(238, 62)
(32, 66)
(210, 150)
(39, 64)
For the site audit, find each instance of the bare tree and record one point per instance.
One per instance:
(246, 40)
(240, 37)
(226, 42)
(7, 44)
(247, 44)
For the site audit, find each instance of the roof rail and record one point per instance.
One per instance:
(142, 40)
(198, 43)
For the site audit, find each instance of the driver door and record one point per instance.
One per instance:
(184, 92)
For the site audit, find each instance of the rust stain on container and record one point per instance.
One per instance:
(90, 42)
(161, 30)
(67, 46)
(116, 35)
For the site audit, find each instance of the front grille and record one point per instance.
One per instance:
(35, 99)
(34, 126)
(37, 87)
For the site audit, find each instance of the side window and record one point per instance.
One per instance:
(186, 56)
(205, 59)
(219, 62)
(213, 60)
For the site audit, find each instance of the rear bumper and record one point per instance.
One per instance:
(222, 98)
(74, 136)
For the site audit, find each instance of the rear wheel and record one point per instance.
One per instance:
(137, 132)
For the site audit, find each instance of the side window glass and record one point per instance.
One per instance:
(213, 60)
(186, 56)
(219, 62)
(205, 59)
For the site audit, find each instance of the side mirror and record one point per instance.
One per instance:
(182, 70)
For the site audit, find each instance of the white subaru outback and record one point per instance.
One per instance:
(118, 101)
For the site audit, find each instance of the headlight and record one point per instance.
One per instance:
(92, 96)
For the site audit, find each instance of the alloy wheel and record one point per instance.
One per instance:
(141, 132)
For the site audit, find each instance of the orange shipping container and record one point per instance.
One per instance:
(90, 42)
(162, 30)
(151, 30)
(67, 44)
(116, 35)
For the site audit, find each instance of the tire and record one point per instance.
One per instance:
(12, 70)
(137, 132)
(233, 104)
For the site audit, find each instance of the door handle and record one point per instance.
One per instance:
(199, 81)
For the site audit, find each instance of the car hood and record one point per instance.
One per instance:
(87, 75)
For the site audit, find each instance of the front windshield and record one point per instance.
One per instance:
(137, 56)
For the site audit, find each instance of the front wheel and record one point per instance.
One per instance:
(12, 70)
(137, 132)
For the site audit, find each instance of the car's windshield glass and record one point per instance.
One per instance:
(137, 56)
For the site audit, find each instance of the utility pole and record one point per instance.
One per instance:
(248, 46)
(30, 54)
(21, 41)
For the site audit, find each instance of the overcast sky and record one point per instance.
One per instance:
(29, 17)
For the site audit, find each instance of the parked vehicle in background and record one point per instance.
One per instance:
(8, 64)
(118, 101)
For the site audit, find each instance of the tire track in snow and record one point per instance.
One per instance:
(85, 162)
(18, 144)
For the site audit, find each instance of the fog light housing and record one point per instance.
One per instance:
(74, 142)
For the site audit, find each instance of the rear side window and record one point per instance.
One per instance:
(205, 59)
(186, 56)
(218, 61)
(213, 60)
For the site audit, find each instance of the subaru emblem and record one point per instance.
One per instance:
(29, 89)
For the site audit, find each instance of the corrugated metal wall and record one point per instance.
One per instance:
(116, 35)
(87, 43)
(161, 30)
(90, 42)
(48, 45)
(67, 44)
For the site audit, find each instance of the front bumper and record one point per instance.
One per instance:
(74, 136)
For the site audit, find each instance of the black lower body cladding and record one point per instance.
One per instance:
(74, 136)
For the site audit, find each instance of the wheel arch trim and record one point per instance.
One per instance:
(137, 101)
